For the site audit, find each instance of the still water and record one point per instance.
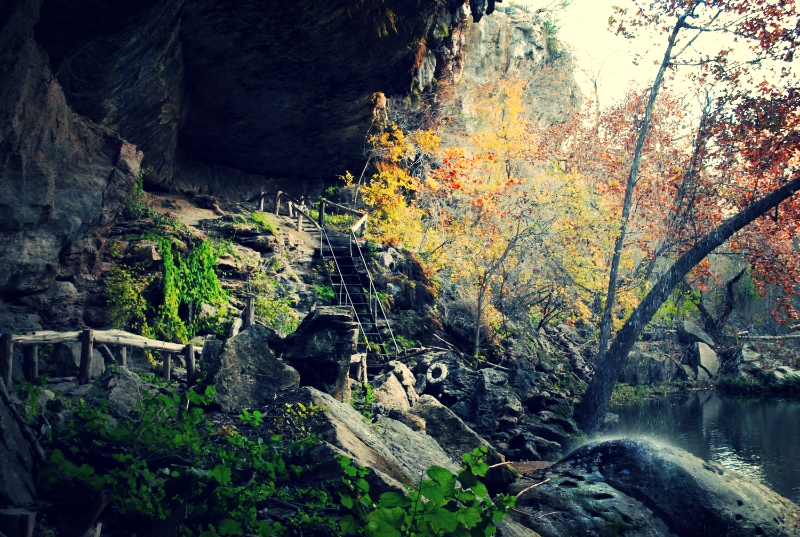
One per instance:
(757, 437)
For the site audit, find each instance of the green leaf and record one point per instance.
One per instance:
(433, 491)
(394, 499)
(230, 527)
(349, 525)
(469, 516)
(222, 474)
(441, 520)
(385, 522)
(442, 475)
(346, 500)
(479, 489)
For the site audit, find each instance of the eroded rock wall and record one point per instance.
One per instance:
(63, 179)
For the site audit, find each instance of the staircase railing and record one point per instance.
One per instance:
(374, 304)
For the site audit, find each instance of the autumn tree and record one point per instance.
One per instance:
(743, 169)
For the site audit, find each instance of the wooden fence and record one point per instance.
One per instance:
(88, 339)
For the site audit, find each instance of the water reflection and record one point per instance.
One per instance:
(757, 437)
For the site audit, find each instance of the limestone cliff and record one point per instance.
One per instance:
(217, 96)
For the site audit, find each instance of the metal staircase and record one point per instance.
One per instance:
(343, 259)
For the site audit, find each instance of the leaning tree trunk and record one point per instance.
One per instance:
(591, 410)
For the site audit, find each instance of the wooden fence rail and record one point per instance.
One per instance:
(88, 339)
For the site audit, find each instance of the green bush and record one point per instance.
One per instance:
(166, 454)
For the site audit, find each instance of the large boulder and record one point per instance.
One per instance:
(65, 361)
(452, 434)
(248, 374)
(689, 332)
(320, 350)
(650, 489)
(647, 363)
(390, 393)
(705, 360)
(495, 404)
(396, 453)
(17, 485)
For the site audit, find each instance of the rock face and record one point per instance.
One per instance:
(455, 436)
(647, 364)
(17, 486)
(655, 490)
(320, 350)
(395, 452)
(66, 361)
(512, 42)
(63, 179)
(248, 374)
(689, 332)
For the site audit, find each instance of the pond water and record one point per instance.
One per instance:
(757, 437)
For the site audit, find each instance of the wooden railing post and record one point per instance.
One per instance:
(30, 362)
(290, 205)
(191, 372)
(166, 365)
(278, 203)
(261, 204)
(87, 342)
(299, 221)
(249, 311)
(6, 359)
(321, 214)
(123, 356)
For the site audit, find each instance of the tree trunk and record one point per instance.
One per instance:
(590, 412)
(613, 277)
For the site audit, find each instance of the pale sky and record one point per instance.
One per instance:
(584, 27)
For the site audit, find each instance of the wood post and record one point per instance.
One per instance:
(261, 204)
(6, 359)
(278, 203)
(166, 365)
(299, 221)
(87, 342)
(321, 214)
(123, 356)
(30, 362)
(82, 527)
(290, 205)
(191, 372)
(249, 311)
(17, 522)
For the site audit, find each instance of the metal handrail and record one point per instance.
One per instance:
(361, 330)
(372, 290)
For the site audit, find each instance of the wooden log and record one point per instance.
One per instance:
(191, 371)
(115, 337)
(6, 359)
(299, 221)
(123, 356)
(87, 521)
(47, 337)
(30, 362)
(17, 522)
(87, 343)
(166, 365)
(278, 203)
(249, 311)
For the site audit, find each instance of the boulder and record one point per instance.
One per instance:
(390, 393)
(17, 485)
(66, 360)
(124, 392)
(452, 434)
(413, 421)
(749, 354)
(493, 399)
(655, 490)
(248, 373)
(689, 332)
(706, 361)
(320, 350)
(144, 252)
(60, 306)
(648, 364)
(396, 453)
